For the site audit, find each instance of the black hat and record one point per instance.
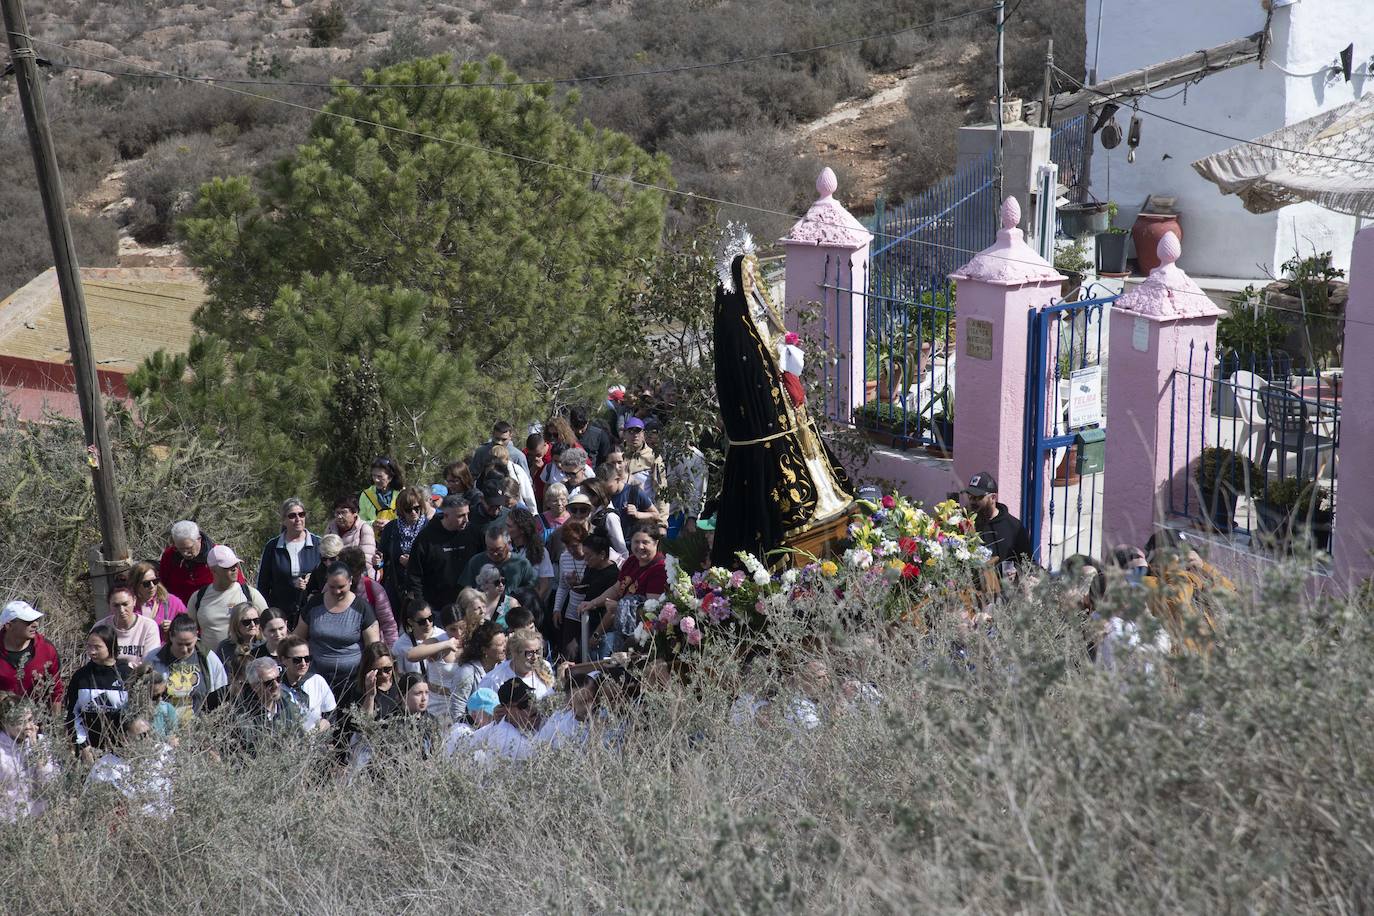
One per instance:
(981, 484)
(514, 692)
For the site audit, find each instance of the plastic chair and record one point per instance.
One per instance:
(1289, 430)
(1247, 387)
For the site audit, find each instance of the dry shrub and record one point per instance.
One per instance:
(165, 181)
(926, 140)
(977, 772)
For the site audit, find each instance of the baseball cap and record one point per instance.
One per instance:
(222, 557)
(514, 692)
(437, 491)
(330, 545)
(579, 499)
(483, 699)
(634, 423)
(21, 611)
(981, 484)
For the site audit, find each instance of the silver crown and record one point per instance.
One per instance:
(735, 240)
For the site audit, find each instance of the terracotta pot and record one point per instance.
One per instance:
(1149, 228)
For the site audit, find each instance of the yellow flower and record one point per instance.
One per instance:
(829, 568)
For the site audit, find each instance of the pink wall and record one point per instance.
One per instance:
(1354, 533)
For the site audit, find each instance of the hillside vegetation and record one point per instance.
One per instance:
(134, 149)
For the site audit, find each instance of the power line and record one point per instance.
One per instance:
(1206, 130)
(514, 84)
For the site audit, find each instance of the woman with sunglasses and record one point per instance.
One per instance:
(338, 628)
(288, 559)
(492, 583)
(245, 634)
(375, 694)
(153, 600)
(395, 542)
(526, 662)
(377, 504)
(310, 691)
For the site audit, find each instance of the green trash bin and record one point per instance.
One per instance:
(1092, 450)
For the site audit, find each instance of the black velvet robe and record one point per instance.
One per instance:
(767, 491)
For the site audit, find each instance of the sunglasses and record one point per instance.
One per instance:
(269, 682)
(384, 670)
(428, 618)
(299, 659)
(153, 581)
(250, 622)
(579, 509)
(295, 515)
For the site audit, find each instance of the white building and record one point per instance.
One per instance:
(1223, 239)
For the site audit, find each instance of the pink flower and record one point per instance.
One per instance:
(719, 612)
(737, 578)
(687, 625)
(694, 638)
(889, 502)
(667, 614)
(791, 338)
(758, 605)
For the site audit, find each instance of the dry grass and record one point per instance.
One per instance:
(998, 774)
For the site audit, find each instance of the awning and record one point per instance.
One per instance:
(1327, 159)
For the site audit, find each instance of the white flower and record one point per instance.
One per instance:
(858, 558)
(651, 605)
(934, 550)
(641, 635)
(761, 576)
(983, 554)
(789, 578)
(888, 547)
(961, 554)
(670, 566)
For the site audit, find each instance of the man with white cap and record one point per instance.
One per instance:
(211, 605)
(28, 662)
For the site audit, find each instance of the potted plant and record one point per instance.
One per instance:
(886, 424)
(1249, 337)
(1296, 508)
(1221, 476)
(1073, 262)
(1083, 219)
(1310, 301)
(1112, 246)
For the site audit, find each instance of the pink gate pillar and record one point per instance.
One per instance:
(1165, 324)
(1353, 537)
(996, 292)
(828, 247)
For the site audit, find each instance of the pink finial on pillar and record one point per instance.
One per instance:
(1011, 213)
(1170, 249)
(827, 183)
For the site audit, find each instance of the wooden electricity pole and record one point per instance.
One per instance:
(114, 544)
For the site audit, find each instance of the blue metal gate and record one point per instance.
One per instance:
(1064, 365)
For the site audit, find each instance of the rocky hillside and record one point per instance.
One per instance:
(135, 144)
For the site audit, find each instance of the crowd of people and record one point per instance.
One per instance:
(446, 614)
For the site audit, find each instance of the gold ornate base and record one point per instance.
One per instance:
(822, 541)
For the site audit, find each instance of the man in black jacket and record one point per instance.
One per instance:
(999, 530)
(441, 552)
(594, 438)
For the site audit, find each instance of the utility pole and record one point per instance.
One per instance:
(1001, 91)
(1045, 93)
(114, 544)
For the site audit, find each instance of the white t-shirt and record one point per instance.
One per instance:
(293, 548)
(504, 672)
(137, 641)
(500, 741)
(316, 699)
(562, 728)
(146, 783)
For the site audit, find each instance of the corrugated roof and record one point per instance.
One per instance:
(133, 313)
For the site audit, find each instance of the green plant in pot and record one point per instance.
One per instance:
(1296, 508)
(1073, 262)
(942, 422)
(1112, 246)
(1249, 336)
(887, 423)
(1222, 475)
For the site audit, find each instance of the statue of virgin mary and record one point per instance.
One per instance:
(780, 479)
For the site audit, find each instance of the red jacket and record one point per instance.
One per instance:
(40, 674)
(183, 577)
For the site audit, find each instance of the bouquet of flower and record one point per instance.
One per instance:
(923, 551)
(709, 602)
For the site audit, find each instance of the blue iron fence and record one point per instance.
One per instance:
(903, 357)
(1064, 344)
(1261, 460)
(1066, 149)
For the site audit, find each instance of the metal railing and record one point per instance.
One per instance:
(1066, 149)
(906, 351)
(1259, 443)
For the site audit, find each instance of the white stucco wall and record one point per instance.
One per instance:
(1223, 239)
